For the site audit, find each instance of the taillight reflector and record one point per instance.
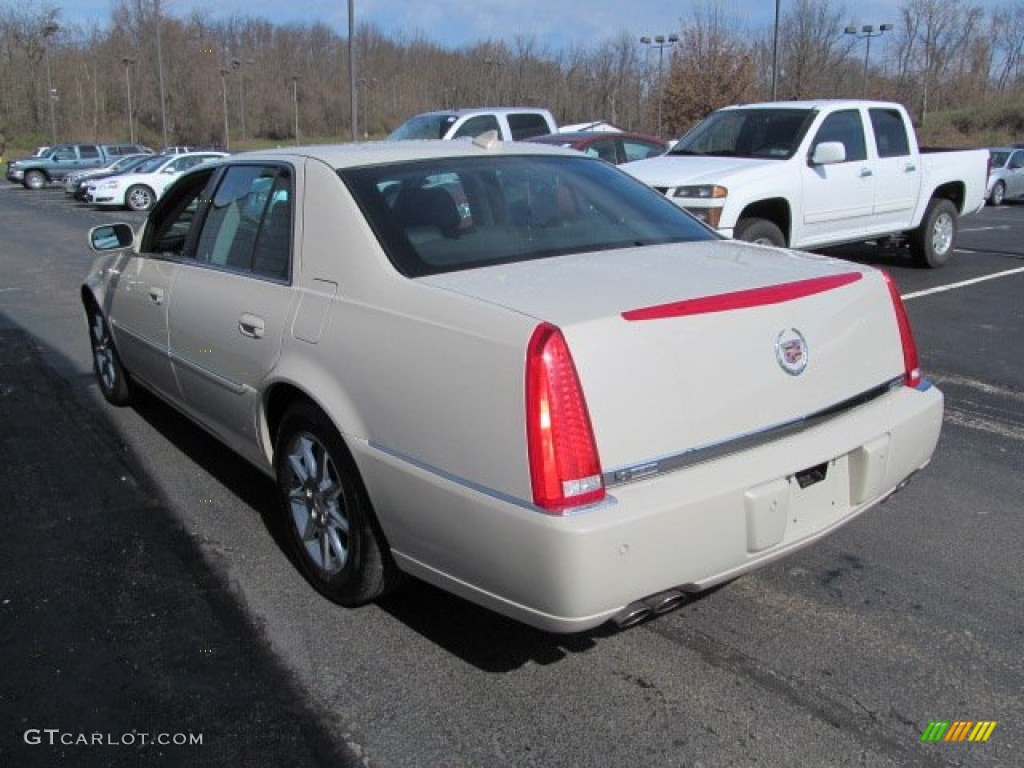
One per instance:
(565, 470)
(912, 368)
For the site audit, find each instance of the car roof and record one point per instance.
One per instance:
(379, 152)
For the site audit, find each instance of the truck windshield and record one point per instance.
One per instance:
(758, 132)
(429, 126)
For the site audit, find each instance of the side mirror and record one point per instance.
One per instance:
(829, 153)
(111, 237)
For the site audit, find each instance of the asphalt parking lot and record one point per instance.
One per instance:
(144, 589)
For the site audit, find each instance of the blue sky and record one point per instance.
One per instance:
(457, 23)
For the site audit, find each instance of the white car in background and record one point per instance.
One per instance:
(141, 188)
(512, 371)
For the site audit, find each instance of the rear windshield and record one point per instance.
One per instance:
(452, 214)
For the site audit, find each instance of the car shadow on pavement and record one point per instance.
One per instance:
(115, 629)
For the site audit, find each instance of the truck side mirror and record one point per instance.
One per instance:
(829, 153)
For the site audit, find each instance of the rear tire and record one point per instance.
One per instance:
(327, 512)
(760, 231)
(933, 242)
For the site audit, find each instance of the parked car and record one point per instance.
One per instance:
(615, 148)
(809, 174)
(1005, 175)
(562, 398)
(510, 124)
(75, 183)
(143, 186)
(60, 160)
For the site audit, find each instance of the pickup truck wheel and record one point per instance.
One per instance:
(760, 231)
(327, 511)
(933, 242)
(34, 180)
(139, 198)
(998, 194)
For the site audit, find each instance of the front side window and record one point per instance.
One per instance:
(88, 152)
(169, 228)
(847, 128)
(249, 223)
(452, 214)
(474, 126)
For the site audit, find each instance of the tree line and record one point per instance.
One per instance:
(240, 81)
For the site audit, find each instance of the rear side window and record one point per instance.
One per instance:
(249, 223)
(639, 150)
(526, 125)
(88, 152)
(890, 133)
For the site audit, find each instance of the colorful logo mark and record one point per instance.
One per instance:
(959, 730)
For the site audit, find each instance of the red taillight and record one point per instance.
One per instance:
(565, 470)
(912, 367)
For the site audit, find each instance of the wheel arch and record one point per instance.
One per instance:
(777, 210)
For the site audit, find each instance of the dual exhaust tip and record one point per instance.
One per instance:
(659, 603)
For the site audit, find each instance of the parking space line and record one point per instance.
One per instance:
(962, 284)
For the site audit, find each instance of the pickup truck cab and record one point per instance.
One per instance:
(511, 123)
(809, 174)
(58, 161)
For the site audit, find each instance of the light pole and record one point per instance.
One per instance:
(775, 55)
(160, 74)
(128, 61)
(49, 31)
(224, 72)
(661, 43)
(867, 32)
(238, 64)
(295, 103)
(354, 104)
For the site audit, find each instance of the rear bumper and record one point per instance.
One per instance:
(687, 530)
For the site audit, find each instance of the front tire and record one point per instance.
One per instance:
(327, 511)
(34, 180)
(139, 198)
(760, 231)
(933, 242)
(110, 374)
(998, 194)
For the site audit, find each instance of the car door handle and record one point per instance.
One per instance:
(157, 295)
(865, 172)
(251, 325)
(910, 168)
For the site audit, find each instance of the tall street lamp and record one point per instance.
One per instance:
(238, 64)
(295, 102)
(224, 72)
(661, 43)
(49, 31)
(775, 55)
(128, 61)
(867, 32)
(353, 103)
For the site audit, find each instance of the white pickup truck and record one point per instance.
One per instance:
(808, 174)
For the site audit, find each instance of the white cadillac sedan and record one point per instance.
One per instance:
(511, 371)
(139, 189)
